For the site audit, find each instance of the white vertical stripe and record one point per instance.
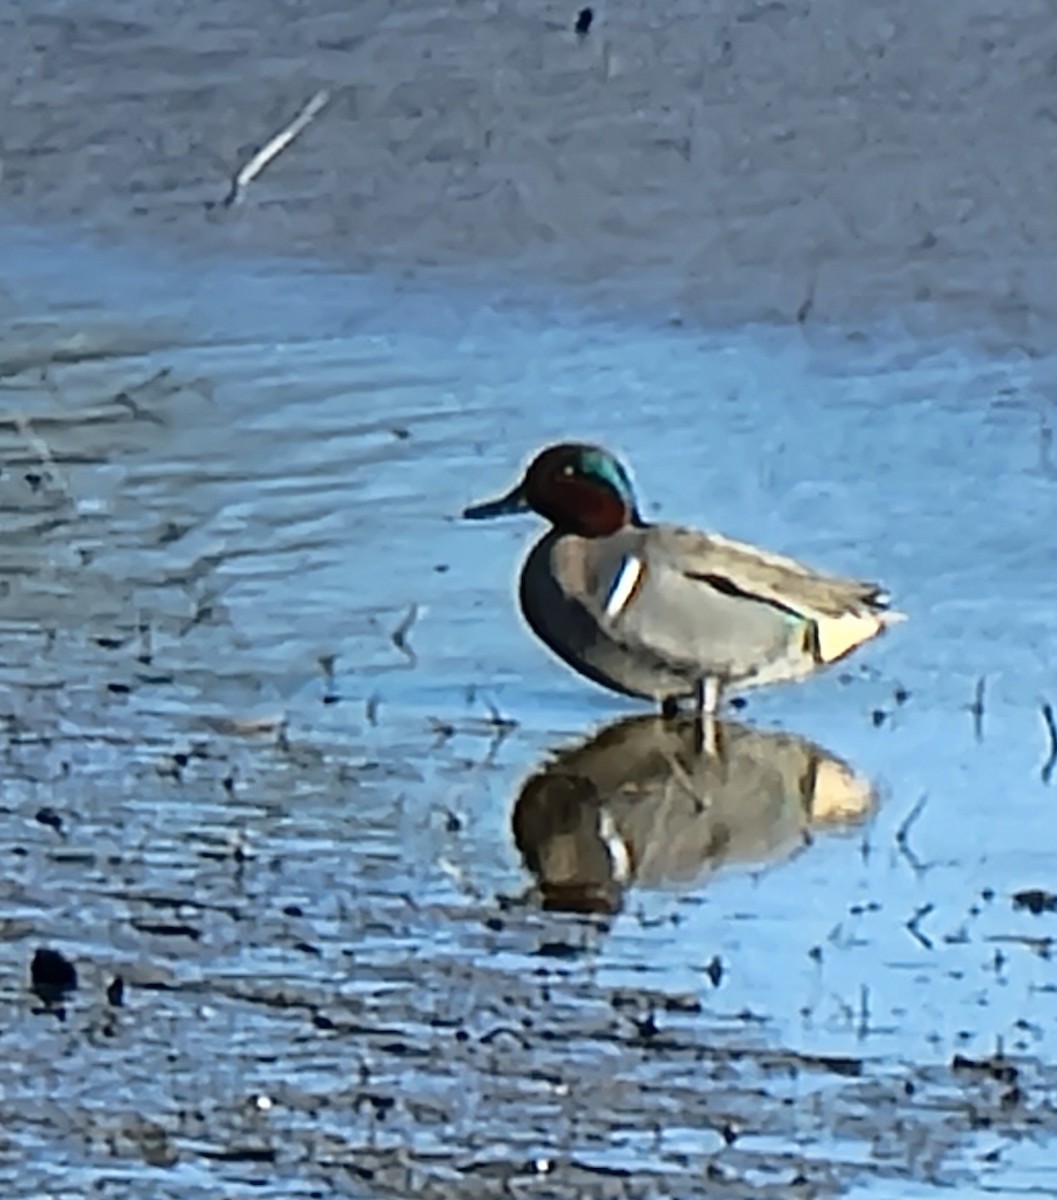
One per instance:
(623, 585)
(619, 855)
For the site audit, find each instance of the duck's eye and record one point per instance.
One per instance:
(568, 469)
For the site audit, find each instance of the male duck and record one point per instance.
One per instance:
(664, 612)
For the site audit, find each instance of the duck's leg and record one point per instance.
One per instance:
(707, 694)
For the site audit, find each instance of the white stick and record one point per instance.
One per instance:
(276, 145)
(42, 450)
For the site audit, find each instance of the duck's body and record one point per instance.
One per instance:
(693, 607)
(664, 612)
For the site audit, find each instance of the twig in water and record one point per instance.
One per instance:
(903, 836)
(1046, 466)
(444, 730)
(1051, 729)
(245, 726)
(503, 726)
(864, 1012)
(399, 635)
(330, 690)
(126, 397)
(245, 175)
(977, 709)
(681, 778)
(509, 1031)
(459, 877)
(807, 304)
(914, 925)
(41, 449)
(497, 718)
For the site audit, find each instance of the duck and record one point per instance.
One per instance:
(667, 613)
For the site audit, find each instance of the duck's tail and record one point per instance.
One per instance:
(836, 637)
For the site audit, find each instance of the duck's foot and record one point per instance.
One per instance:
(669, 708)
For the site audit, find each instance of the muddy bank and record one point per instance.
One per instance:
(774, 162)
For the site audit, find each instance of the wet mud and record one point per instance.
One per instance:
(776, 162)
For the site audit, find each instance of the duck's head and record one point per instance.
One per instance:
(580, 489)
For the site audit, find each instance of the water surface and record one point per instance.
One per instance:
(226, 487)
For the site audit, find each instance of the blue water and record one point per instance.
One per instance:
(337, 429)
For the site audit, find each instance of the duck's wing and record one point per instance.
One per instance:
(844, 612)
(740, 567)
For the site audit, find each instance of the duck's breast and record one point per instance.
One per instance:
(566, 584)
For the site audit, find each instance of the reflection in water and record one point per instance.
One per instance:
(642, 801)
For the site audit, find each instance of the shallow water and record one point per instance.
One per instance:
(226, 488)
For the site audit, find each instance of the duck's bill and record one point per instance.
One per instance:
(512, 502)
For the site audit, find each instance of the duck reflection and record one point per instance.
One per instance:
(642, 801)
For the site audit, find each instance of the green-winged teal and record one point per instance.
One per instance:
(664, 612)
